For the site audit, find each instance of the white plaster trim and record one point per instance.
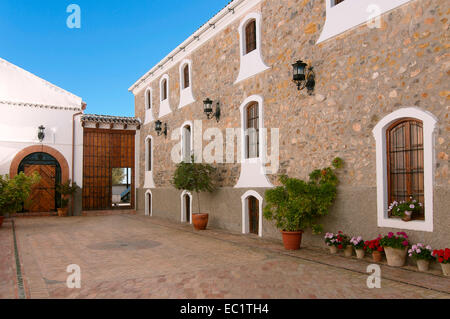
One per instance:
(148, 110)
(245, 216)
(191, 125)
(252, 169)
(149, 182)
(379, 132)
(186, 96)
(148, 208)
(183, 206)
(42, 106)
(351, 13)
(164, 108)
(251, 63)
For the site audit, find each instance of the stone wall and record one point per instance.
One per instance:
(361, 76)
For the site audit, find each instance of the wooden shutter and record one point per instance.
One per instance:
(149, 100)
(250, 36)
(252, 134)
(186, 76)
(164, 90)
(150, 154)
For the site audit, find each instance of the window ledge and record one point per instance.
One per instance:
(253, 175)
(418, 225)
(186, 97)
(351, 13)
(148, 116)
(149, 183)
(251, 64)
(164, 108)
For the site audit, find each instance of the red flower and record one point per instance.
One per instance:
(441, 260)
(380, 249)
(340, 246)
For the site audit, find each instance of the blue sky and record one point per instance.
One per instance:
(118, 42)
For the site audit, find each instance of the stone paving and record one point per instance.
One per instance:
(131, 256)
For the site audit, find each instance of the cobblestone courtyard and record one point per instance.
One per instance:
(131, 256)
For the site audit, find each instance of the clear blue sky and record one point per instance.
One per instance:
(118, 42)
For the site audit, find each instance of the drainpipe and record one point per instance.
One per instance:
(83, 107)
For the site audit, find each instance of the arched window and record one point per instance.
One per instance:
(250, 37)
(186, 142)
(186, 94)
(186, 80)
(148, 99)
(148, 203)
(149, 154)
(252, 131)
(338, 1)
(405, 161)
(164, 90)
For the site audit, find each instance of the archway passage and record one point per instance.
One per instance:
(253, 215)
(187, 203)
(149, 205)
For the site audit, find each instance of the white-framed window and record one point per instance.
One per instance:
(186, 96)
(186, 207)
(148, 106)
(251, 60)
(252, 219)
(253, 144)
(149, 160)
(148, 203)
(410, 133)
(164, 89)
(343, 15)
(187, 140)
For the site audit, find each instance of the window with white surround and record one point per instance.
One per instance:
(186, 141)
(148, 106)
(148, 203)
(343, 15)
(250, 47)
(186, 207)
(164, 90)
(149, 182)
(253, 146)
(252, 205)
(405, 165)
(186, 96)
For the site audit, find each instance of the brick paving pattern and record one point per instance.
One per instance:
(128, 256)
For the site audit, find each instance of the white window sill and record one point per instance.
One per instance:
(417, 225)
(149, 183)
(148, 116)
(253, 175)
(351, 13)
(164, 108)
(186, 97)
(251, 65)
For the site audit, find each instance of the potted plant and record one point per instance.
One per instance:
(396, 248)
(67, 191)
(422, 255)
(15, 193)
(331, 242)
(374, 247)
(195, 177)
(443, 257)
(297, 205)
(358, 245)
(344, 243)
(405, 209)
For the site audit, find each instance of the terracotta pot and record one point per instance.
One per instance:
(446, 269)
(200, 221)
(377, 256)
(407, 217)
(292, 239)
(1, 220)
(348, 251)
(423, 265)
(360, 253)
(62, 212)
(333, 249)
(396, 257)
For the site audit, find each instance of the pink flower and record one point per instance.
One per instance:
(391, 234)
(405, 243)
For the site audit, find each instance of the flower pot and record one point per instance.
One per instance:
(348, 251)
(200, 221)
(407, 217)
(292, 239)
(396, 257)
(360, 253)
(1, 220)
(62, 212)
(377, 256)
(423, 265)
(446, 269)
(333, 249)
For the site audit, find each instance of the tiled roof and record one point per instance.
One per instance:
(108, 119)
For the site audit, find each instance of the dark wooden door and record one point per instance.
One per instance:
(253, 214)
(188, 208)
(43, 194)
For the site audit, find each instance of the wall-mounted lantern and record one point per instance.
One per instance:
(41, 133)
(159, 130)
(208, 110)
(304, 76)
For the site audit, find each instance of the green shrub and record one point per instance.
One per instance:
(15, 192)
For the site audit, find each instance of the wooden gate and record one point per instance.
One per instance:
(43, 194)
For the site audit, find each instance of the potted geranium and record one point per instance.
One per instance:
(67, 191)
(195, 177)
(396, 248)
(358, 245)
(344, 243)
(332, 242)
(443, 257)
(297, 205)
(405, 209)
(422, 255)
(374, 247)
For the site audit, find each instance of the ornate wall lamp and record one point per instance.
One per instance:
(304, 76)
(208, 110)
(41, 133)
(159, 130)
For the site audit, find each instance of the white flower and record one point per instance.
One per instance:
(418, 251)
(429, 247)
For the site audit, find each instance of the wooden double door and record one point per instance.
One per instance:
(43, 195)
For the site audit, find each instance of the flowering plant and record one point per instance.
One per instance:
(357, 242)
(419, 251)
(403, 208)
(400, 241)
(442, 256)
(339, 240)
(373, 245)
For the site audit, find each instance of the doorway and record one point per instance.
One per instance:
(186, 207)
(253, 215)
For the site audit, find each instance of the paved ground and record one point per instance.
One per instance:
(139, 257)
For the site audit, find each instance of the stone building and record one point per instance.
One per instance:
(381, 92)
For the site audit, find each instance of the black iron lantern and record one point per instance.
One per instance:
(304, 76)
(208, 109)
(159, 130)
(41, 133)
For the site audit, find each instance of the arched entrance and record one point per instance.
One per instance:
(148, 204)
(186, 207)
(252, 213)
